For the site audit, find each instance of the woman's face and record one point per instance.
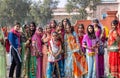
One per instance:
(32, 27)
(68, 29)
(17, 27)
(48, 29)
(39, 31)
(90, 29)
(114, 26)
(80, 29)
(27, 28)
(95, 24)
(54, 36)
(52, 24)
(64, 22)
(60, 27)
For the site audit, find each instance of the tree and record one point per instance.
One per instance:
(41, 11)
(80, 7)
(12, 10)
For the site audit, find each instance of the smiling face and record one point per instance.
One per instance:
(54, 36)
(39, 30)
(64, 22)
(114, 26)
(17, 27)
(53, 25)
(80, 28)
(68, 29)
(48, 29)
(32, 27)
(26, 28)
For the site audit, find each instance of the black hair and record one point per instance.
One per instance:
(67, 20)
(39, 27)
(72, 28)
(60, 24)
(82, 25)
(114, 22)
(95, 20)
(55, 22)
(17, 23)
(32, 32)
(92, 34)
(54, 33)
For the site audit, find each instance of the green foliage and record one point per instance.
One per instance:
(12, 10)
(26, 11)
(80, 7)
(41, 11)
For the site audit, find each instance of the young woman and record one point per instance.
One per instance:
(65, 22)
(32, 64)
(46, 38)
(60, 30)
(2, 56)
(90, 42)
(73, 58)
(114, 54)
(37, 49)
(81, 33)
(25, 39)
(14, 39)
(100, 56)
(53, 25)
(54, 57)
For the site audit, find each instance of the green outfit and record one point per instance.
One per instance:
(32, 73)
(2, 58)
(25, 56)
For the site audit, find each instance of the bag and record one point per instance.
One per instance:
(114, 47)
(101, 50)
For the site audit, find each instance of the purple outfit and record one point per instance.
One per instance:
(90, 58)
(37, 38)
(99, 59)
(89, 42)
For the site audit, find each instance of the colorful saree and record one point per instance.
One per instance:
(25, 55)
(32, 64)
(38, 47)
(2, 57)
(114, 57)
(100, 55)
(45, 51)
(75, 63)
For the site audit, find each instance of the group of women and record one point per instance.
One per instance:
(59, 51)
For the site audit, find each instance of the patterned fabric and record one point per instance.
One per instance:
(54, 62)
(32, 73)
(25, 54)
(114, 57)
(55, 49)
(38, 47)
(45, 56)
(75, 64)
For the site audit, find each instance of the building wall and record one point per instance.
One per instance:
(104, 7)
(107, 5)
